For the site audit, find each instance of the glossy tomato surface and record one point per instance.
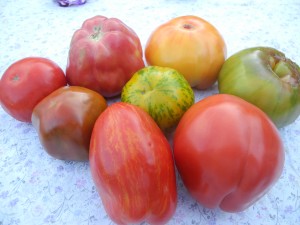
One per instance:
(190, 45)
(228, 152)
(162, 92)
(266, 78)
(26, 82)
(104, 54)
(132, 166)
(64, 121)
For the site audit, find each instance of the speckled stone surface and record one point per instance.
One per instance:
(36, 189)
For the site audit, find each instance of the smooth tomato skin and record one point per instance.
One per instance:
(132, 166)
(104, 54)
(228, 152)
(266, 78)
(65, 119)
(190, 45)
(26, 82)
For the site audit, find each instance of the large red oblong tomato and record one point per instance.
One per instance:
(228, 152)
(132, 166)
(104, 54)
(192, 46)
(26, 82)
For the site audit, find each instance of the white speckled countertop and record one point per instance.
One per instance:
(36, 189)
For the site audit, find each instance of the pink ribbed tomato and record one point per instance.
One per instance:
(104, 54)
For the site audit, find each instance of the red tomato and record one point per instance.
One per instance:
(190, 45)
(26, 82)
(132, 166)
(103, 55)
(64, 121)
(228, 152)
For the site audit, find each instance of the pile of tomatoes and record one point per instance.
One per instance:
(226, 147)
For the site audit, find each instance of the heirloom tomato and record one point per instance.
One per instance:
(267, 79)
(64, 121)
(228, 152)
(163, 92)
(190, 45)
(26, 82)
(132, 166)
(104, 54)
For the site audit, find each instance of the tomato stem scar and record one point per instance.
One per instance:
(187, 26)
(16, 77)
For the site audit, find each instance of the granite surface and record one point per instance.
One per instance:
(36, 189)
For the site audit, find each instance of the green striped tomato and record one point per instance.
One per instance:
(162, 92)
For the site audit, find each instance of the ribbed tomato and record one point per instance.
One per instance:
(132, 166)
(104, 54)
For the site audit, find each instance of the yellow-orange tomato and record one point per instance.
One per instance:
(190, 45)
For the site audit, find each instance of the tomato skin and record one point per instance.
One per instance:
(26, 82)
(162, 92)
(132, 166)
(228, 152)
(104, 53)
(64, 121)
(266, 78)
(192, 46)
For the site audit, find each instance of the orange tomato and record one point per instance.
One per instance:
(190, 45)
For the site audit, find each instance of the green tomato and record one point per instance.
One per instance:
(264, 77)
(162, 92)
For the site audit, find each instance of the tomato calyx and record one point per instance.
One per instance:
(97, 35)
(15, 78)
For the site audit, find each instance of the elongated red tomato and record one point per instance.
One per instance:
(228, 152)
(132, 166)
